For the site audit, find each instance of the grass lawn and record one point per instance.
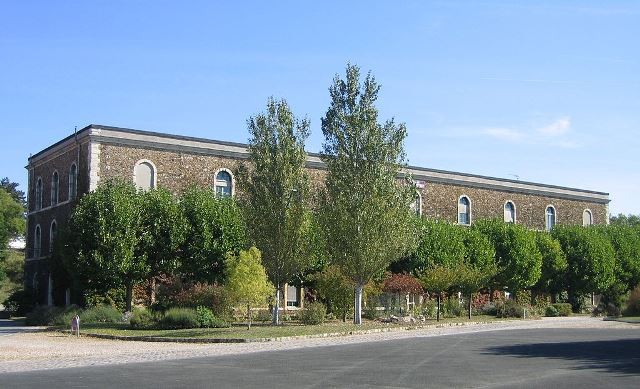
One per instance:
(629, 319)
(264, 330)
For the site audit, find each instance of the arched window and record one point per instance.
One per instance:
(587, 218)
(144, 175)
(37, 242)
(550, 218)
(55, 186)
(416, 205)
(509, 212)
(223, 183)
(39, 194)
(464, 210)
(52, 235)
(73, 181)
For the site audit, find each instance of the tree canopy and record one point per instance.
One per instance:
(518, 259)
(364, 208)
(590, 257)
(246, 280)
(214, 228)
(276, 190)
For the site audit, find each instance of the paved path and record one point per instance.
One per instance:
(52, 350)
(10, 327)
(541, 356)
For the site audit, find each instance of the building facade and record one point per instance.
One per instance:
(62, 172)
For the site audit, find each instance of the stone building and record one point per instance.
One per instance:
(62, 172)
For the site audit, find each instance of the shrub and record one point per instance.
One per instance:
(64, 318)
(564, 309)
(452, 307)
(142, 319)
(176, 318)
(211, 296)
(207, 319)
(633, 303)
(551, 311)
(19, 302)
(43, 315)
(429, 308)
(313, 313)
(101, 314)
(509, 308)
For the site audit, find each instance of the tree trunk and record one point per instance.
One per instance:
(438, 309)
(129, 296)
(276, 308)
(470, 298)
(152, 290)
(357, 312)
(248, 317)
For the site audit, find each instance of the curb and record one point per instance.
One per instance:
(283, 338)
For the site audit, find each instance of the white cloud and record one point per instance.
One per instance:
(507, 134)
(557, 128)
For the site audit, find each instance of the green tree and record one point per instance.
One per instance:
(12, 223)
(625, 241)
(276, 188)
(335, 289)
(364, 208)
(439, 242)
(518, 259)
(591, 261)
(105, 228)
(438, 279)
(12, 188)
(554, 264)
(214, 228)
(162, 233)
(247, 282)
(626, 220)
(471, 279)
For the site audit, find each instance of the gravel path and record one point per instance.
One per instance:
(52, 350)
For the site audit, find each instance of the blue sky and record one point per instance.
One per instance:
(543, 91)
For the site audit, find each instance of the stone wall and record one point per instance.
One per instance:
(441, 201)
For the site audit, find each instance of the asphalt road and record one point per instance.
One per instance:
(532, 358)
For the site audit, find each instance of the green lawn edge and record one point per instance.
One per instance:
(267, 333)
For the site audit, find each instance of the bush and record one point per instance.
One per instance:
(313, 313)
(633, 303)
(509, 308)
(452, 307)
(564, 309)
(551, 311)
(19, 303)
(142, 319)
(64, 318)
(43, 315)
(176, 318)
(101, 314)
(206, 318)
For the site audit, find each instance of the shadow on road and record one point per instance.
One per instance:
(616, 356)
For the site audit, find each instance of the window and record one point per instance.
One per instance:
(73, 181)
(144, 175)
(587, 218)
(509, 212)
(37, 242)
(416, 205)
(39, 194)
(292, 296)
(52, 235)
(223, 183)
(55, 185)
(464, 210)
(551, 217)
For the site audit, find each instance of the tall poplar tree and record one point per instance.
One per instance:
(365, 208)
(276, 188)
